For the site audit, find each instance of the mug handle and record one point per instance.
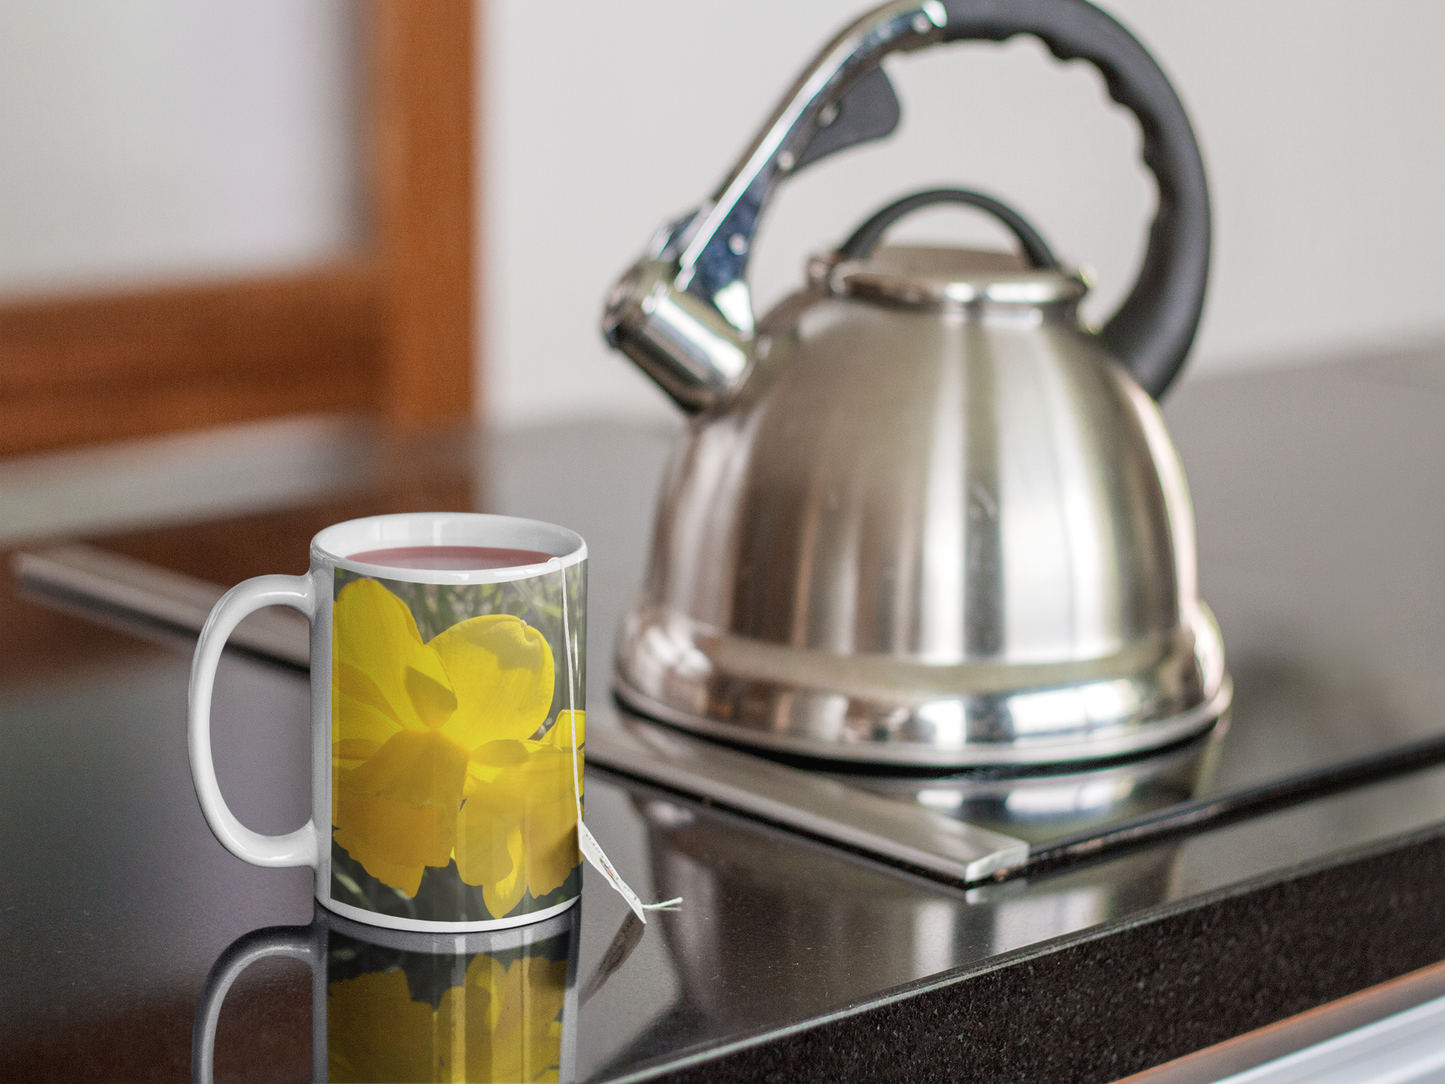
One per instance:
(297, 942)
(298, 848)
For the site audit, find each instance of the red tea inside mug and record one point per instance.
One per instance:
(451, 558)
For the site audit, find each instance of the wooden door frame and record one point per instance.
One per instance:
(389, 330)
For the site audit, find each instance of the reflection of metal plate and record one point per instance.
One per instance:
(1045, 806)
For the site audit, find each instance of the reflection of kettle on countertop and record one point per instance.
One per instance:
(920, 515)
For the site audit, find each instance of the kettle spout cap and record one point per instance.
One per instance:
(685, 343)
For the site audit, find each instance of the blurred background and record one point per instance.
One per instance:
(416, 209)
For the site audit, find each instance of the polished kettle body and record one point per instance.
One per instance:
(920, 516)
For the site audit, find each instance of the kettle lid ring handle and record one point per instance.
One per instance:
(863, 240)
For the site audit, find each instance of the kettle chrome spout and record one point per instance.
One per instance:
(682, 341)
(683, 312)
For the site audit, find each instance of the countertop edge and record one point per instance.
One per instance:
(1235, 959)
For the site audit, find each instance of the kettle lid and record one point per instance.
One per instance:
(920, 277)
(939, 278)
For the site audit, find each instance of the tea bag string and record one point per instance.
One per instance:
(591, 849)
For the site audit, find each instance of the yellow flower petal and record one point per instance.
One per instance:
(362, 723)
(509, 777)
(393, 841)
(482, 846)
(433, 701)
(518, 827)
(355, 697)
(464, 1031)
(502, 672)
(502, 1022)
(559, 734)
(346, 755)
(488, 976)
(375, 643)
(415, 769)
(525, 1041)
(357, 749)
(376, 1032)
(550, 836)
(503, 895)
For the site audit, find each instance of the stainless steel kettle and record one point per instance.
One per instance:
(920, 516)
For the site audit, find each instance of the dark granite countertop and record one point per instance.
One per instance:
(1319, 526)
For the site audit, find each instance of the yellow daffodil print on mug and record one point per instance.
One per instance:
(452, 754)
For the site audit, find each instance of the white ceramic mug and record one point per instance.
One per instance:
(446, 716)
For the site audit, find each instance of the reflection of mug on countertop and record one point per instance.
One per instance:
(447, 695)
(402, 1006)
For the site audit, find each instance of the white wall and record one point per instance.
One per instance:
(165, 138)
(162, 139)
(1321, 122)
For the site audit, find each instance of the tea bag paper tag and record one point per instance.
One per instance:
(587, 842)
(594, 854)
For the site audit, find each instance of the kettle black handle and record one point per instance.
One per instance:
(1153, 329)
